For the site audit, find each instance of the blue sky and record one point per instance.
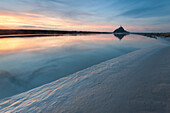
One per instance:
(98, 15)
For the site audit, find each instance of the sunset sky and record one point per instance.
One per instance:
(93, 15)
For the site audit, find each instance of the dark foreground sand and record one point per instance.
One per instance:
(138, 82)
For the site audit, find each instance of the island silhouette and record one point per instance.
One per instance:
(120, 30)
(120, 33)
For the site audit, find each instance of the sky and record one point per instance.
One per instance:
(86, 15)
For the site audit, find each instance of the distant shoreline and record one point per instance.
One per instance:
(154, 35)
(5, 33)
(33, 33)
(25, 31)
(42, 35)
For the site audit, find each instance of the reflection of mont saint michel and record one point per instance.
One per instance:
(120, 32)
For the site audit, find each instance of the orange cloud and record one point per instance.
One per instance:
(21, 20)
(9, 20)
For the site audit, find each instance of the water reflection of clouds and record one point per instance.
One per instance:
(9, 45)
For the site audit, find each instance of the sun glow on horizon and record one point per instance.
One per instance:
(37, 21)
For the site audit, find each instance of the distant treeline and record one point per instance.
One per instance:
(11, 32)
(154, 34)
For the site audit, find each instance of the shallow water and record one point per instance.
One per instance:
(26, 63)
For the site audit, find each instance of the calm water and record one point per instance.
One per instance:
(26, 63)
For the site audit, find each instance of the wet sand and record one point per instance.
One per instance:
(138, 82)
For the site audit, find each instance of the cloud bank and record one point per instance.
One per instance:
(98, 15)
